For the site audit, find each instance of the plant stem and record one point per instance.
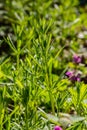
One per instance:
(17, 61)
(26, 117)
(52, 103)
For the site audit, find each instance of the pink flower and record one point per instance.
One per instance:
(57, 128)
(72, 76)
(77, 59)
(69, 73)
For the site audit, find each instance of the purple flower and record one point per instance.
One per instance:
(77, 59)
(78, 77)
(69, 73)
(57, 128)
(73, 76)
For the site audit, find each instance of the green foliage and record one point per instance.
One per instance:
(37, 41)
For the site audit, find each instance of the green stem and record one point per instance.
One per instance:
(26, 117)
(51, 96)
(17, 61)
(52, 103)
